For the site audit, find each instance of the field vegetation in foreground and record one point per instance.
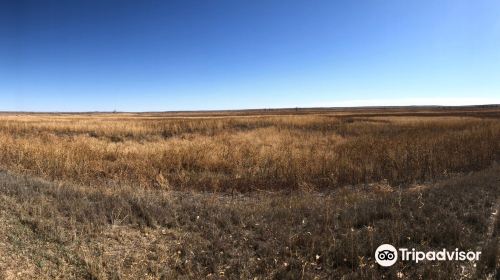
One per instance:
(290, 194)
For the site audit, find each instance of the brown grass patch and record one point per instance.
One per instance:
(244, 153)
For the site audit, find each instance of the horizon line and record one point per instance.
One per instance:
(339, 108)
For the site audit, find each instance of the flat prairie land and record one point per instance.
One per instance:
(257, 194)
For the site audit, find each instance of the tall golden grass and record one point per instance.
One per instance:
(109, 216)
(243, 153)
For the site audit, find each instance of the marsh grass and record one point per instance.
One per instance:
(245, 153)
(295, 195)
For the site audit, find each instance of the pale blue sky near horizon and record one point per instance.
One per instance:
(222, 54)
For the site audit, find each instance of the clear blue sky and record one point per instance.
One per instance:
(228, 54)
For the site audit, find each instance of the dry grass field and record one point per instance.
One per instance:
(276, 194)
(245, 153)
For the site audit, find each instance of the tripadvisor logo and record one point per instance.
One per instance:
(387, 255)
